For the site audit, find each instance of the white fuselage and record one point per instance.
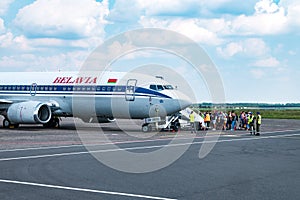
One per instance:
(91, 94)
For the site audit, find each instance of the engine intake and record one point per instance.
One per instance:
(30, 112)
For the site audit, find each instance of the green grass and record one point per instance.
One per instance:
(272, 113)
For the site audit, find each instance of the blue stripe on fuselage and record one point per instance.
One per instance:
(80, 89)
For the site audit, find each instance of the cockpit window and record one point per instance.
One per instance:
(168, 87)
(160, 87)
(153, 87)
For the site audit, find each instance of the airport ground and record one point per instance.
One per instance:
(37, 163)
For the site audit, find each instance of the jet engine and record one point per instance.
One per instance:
(30, 112)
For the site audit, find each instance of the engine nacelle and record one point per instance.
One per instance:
(30, 112)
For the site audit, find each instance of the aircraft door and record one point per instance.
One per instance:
(130, 90)
(33, 89)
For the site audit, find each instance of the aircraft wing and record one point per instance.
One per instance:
(4, 101)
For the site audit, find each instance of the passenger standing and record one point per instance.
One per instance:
(247, 121)
(207, 120)
(192, 122)
(233, 122)
(225, 118)
(215, 117)
(258, 123)
(242, 120)
(251, 123)
(229, 121)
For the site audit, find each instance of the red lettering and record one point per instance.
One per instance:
(69, 80)
(87, 79)
(94, 80)
(57, 80)
(78, 80)
(64, 80)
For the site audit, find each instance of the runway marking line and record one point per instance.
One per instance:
(135, 141)
(148, 147)
(83, 190)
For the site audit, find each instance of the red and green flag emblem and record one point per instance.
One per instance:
(112, 81)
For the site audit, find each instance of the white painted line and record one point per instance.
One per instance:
(223, 134)
(41, 148)
(149, 147)
(84, 190)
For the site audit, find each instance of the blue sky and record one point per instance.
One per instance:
(255, 44)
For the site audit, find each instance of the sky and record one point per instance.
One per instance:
(254, 44)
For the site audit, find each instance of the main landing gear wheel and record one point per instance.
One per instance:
(7, 124)
(146, 128)
(53, 123)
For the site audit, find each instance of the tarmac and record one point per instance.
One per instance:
(38, 163)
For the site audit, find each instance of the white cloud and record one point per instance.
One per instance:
(293, 10)
(189, 27)
(252, 47)
(4, 5)
(2, 27)
(6, 40)
(269, 62)
(260, 24)
(231, 49)
(65, 61)
(266, 6)
(70, 19)
(124, 11)
(269, 19)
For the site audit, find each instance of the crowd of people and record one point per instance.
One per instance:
(219, 120)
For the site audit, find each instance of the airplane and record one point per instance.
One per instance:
(94, 97)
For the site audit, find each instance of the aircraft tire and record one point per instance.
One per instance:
(146, 128)
(53, 123)
(6, 123)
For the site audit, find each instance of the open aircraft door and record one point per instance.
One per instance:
(130, 90)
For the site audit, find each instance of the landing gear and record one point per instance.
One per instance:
(8, 124)
(53, 123)
(146, 128)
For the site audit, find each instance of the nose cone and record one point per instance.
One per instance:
(183, 100)
(176, 103)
